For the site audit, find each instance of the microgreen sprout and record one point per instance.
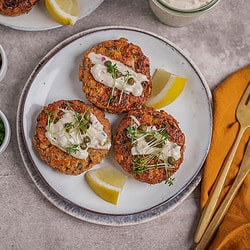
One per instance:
(170, 181)
(51, 116)
(115, 73)
(155, 158)
(73, 149)
(82, 123)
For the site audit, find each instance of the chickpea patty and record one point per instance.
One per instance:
(116, 99)
(16, 7)
(76, 125)
(149, 145)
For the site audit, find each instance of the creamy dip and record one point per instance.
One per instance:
(143, 147)
(100, 74)
(186, 4)
(64, 138)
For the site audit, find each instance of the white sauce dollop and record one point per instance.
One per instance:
(100, 74)
(58, 135)
(186, 4)
(143, 148)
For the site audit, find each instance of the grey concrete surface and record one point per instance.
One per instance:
(219, 44)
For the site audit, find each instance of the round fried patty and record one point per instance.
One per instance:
(123, 144)
(101, 95)
(16, 7)
(55, 157)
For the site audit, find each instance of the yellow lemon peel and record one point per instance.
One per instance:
(106, 182)
(166, 88)
(64, 12)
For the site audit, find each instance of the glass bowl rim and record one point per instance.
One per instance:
(203, 8)
(7, 132)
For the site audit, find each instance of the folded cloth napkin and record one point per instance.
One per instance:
(234, 231)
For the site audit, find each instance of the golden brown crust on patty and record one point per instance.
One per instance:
(127, 53)
(16, 7)
(122, 144)
(58, 159)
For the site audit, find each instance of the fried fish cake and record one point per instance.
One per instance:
(16, 7)
(72, 136)
(149, 145)
(115, 76)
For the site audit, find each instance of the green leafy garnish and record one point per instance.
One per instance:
(82, 122)
(115, 73)
(2, 132)
(155, 138)
(68, 126)
(72, 150)
(51, 116)
(156, 141)
(170, 181)
(113, 70)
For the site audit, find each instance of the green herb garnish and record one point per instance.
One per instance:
(155, 138)
(2, 131)
(82, 122)
(156, 141)
(51, 116)
(115, 73)
(68, 126)
(170, 181)
(112, 69)
(72, 150)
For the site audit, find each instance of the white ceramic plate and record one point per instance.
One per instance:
(56, 77)
(39, 19)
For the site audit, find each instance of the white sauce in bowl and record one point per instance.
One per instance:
(186, 4)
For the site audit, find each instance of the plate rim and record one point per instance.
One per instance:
(47, 28)
(68, 206)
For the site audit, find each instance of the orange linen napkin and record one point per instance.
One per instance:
(234, 231)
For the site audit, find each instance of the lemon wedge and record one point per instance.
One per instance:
(166, 88)
(106, 182)
(64, 12)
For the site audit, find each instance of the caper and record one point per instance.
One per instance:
(83, 145)
(87, 115)
(142, 127)
(118, 74)
(79, 166)
(171, 160)
(149, 138)
(86, 139)
(160, 145)
(108, 63)
(87, 125)
(83, 130)
(131, 81)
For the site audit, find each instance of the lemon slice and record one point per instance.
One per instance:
(63, 11)
(106, 182)
(166, 88)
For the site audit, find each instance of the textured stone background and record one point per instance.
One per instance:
(219, 44)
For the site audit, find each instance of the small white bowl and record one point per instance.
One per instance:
(3, 63)
(178, 17)
(6, 139)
